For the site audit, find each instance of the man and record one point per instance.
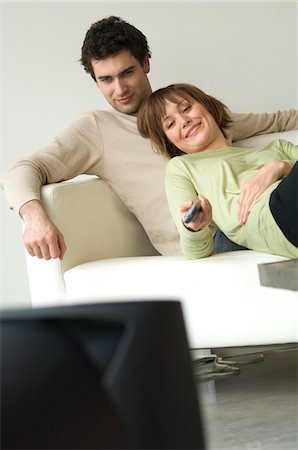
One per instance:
(107, 144)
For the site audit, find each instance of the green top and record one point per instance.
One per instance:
(218, 175)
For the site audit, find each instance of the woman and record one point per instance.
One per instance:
(248, 193)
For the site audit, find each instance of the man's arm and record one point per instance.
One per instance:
(41, 237)
(247, 125)
(76, 150)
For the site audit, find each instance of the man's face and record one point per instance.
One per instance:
(123, 81)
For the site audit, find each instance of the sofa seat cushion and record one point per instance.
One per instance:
(222, 299)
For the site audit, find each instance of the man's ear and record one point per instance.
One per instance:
(146, 64)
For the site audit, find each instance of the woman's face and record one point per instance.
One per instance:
(190, 127)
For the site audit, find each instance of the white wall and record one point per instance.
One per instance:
(245, 53)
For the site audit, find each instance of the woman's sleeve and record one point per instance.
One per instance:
(289, 149)
(179, 188)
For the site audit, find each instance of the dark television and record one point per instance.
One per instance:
(114, 375)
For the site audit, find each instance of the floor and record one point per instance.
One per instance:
(255, 409)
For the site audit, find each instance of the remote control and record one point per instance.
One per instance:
(192, 212)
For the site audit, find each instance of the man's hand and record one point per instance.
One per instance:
(258, 183)
(204, 216)
(41, 237)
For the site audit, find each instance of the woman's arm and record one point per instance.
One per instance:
(255, 186)
(180, 194)
(203, 218)
(272, 171)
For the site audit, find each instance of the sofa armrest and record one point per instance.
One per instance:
(94, 221)
(96, 225)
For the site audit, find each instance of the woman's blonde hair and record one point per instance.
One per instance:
(152, 112)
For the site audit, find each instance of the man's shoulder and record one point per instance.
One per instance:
(97, 114)
(110, 114)
(102, 121)
(109, 117)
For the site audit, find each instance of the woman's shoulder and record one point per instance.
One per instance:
(178, 164)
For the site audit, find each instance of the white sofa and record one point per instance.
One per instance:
(223, 302)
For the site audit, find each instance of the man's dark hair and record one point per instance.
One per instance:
(109, 36)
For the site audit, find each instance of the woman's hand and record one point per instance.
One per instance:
(204, 217)
(258, 183)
